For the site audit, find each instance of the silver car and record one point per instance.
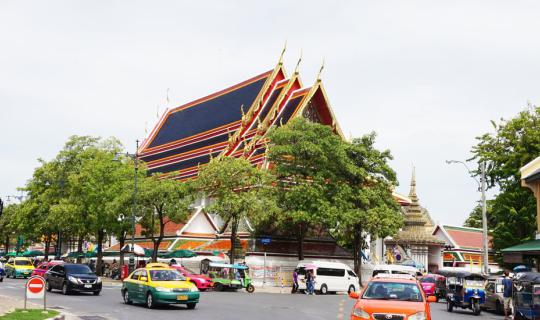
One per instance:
(494, 295)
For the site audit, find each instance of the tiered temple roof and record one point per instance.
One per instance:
(417, 225)
(232, 122)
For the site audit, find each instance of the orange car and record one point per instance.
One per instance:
(391, 297)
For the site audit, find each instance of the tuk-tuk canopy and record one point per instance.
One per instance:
(228, 266)
(460, 274)
(532, 277)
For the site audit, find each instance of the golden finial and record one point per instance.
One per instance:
(297, 68)
(281, 122)
(320, 71)
(211, 154)
(282, 53)
(243, 115)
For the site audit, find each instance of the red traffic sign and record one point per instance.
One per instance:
(35, 288)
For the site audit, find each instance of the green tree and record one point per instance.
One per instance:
(367, 204)
(162, 201)
(308, 159)
(475, 217)
(237, 190)
(513, 144)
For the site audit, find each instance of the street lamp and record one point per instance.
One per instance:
(482, 187)
(135, 158)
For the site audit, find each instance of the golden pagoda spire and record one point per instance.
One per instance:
(412, 192)
(320, 71)
(280, 62)
(297, 68)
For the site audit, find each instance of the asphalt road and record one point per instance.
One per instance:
(215, 305)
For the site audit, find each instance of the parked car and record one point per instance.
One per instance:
(19, 267)
(391, 296)
(396, 269)
(494, 295)
(202, 282)
(158, 283)
(329, 276)
(428, 283)
(72, 277)
(44, 267)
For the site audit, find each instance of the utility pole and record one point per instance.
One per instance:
(134, 209)
(484, 217)
(482, 187)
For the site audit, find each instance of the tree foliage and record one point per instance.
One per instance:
(513, 144)
(238, 191)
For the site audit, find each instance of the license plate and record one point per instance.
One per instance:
(88, 286)
(181, 297)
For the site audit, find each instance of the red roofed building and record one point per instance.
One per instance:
(463, 245)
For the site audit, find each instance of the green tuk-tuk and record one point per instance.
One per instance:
(228, 276)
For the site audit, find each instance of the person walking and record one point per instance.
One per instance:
(295, 281)
(507, 294)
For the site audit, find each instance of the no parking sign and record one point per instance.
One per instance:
(35, 289)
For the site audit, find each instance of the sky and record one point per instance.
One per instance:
(426, 76)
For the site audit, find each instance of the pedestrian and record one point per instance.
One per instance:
(295, 281)
(310, 282)
(172, 262)
(507, 294)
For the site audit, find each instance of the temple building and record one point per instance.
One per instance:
(464, 247)
(415, 241)
(233, 122)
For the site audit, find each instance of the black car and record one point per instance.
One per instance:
(71, 277)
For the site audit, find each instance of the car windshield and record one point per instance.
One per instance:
(393, 291)
(78, 269)
(166, 275)
(427, 280)
(22, 263)
(474, 283)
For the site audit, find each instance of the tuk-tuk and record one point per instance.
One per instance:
(228, 276)
(464, 290)
(526, 296)
(440, 287)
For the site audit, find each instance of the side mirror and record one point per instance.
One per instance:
(431, 299)
(143, 279)
(354, 295)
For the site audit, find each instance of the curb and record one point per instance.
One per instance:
(61, 316)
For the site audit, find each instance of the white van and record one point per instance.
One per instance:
(396, 269)
(329, 277)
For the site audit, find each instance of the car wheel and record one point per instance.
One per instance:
(48, 286)
(324, 289)
(96, 293)
(126, 297)
(150, 301)
(449, 306)
(191, 306)
(351, 289)
(476, 308)
(65, 289)
(219, 286)
(250, 288)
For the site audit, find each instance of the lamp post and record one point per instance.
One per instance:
(482, 187)
(131, 265)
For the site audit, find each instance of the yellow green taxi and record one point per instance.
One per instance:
(19, 267)
(157, 284)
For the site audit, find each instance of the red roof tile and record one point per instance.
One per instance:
(466, 238)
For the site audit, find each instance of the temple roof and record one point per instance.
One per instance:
(416, 225)
(232, 122)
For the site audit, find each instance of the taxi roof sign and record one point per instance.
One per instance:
(395, 276)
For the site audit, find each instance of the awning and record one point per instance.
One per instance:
(524, 247)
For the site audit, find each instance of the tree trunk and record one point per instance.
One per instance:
(234, 231)
(99, 264)
(6, 244)
(357, 247)
(79, 247)
(301, 236)
(122, 242)
(47, 246)
(159, 239)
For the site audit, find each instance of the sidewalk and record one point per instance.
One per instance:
(10, 303)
